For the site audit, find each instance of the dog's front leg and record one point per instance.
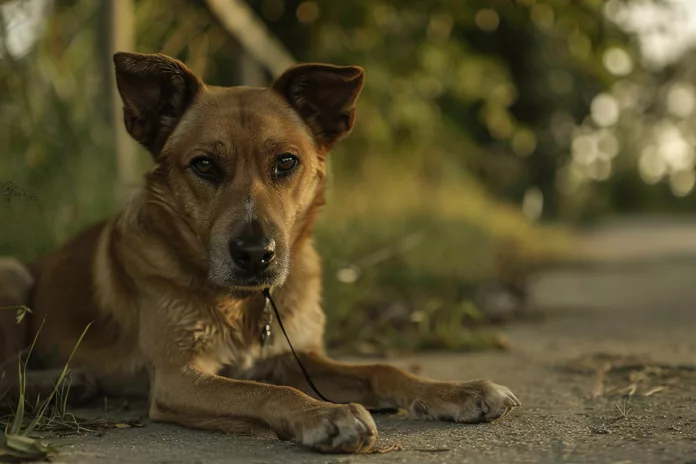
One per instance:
(381, 386)
(194, 398)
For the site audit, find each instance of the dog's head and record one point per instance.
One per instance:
(238, 171)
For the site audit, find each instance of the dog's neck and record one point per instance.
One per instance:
(165, 243)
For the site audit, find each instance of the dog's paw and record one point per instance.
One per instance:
(468, 402)
(335, 429)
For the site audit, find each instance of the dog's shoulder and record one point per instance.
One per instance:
(64, 276)
(65, 300)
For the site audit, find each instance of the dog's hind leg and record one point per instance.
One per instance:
(80, 387)
(16, 283)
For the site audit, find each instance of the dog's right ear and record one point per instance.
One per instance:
(156, 91)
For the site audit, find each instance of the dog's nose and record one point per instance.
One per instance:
(252, 254)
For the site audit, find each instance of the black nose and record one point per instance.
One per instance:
(252, 254)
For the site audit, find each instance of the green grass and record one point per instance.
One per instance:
(403, 285)
(403, 258)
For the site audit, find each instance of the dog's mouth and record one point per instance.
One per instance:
(252, 285)
(248, 284)
(250, 288)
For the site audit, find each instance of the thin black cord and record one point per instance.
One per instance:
(267, 294)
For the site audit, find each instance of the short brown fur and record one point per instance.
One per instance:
(165, 297)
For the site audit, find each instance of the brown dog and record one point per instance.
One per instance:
(174, 283)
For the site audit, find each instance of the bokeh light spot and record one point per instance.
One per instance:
(682, 182)
(487, 20)
(604, 110)
(617, 61)
(681, 99)
(307, 12)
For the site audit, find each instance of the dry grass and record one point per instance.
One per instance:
(623, 408)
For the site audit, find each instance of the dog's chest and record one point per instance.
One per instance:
(229, 334)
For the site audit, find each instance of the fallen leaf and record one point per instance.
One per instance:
(19, 448)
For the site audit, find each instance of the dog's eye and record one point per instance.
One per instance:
(286, 164)
(205, 168)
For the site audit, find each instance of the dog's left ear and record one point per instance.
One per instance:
(325, 96)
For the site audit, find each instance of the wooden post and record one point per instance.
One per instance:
(239, 20)
(121, 38)
(249, 71)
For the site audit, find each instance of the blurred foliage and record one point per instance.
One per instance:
(467, 133)
(477, 85)
(52, 141)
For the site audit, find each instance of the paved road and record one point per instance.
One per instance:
(634, 314)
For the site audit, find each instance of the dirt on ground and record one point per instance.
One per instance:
(606, 372)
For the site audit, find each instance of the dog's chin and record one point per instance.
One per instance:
(244, 287)
(242, 293)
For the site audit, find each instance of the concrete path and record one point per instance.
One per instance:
(606, 375)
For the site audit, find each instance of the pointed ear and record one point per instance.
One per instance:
(325, 97)
(156, 91)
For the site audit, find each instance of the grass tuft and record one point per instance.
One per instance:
(50, 415)
(623, 408)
